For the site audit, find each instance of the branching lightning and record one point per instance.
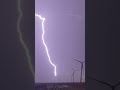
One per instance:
(21, 38)
(43, 19)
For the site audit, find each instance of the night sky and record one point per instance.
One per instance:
(65, 39)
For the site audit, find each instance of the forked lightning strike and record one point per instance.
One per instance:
(43, 19)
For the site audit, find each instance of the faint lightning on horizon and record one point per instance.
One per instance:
(43, 19)
(21, 38)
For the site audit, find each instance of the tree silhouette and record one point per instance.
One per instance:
(107, 84)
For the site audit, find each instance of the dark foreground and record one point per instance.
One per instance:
(60, 86)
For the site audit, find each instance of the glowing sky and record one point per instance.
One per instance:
(65, 38)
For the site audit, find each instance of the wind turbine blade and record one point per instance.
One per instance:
(77, 60)
(117, 84)
(107, 84)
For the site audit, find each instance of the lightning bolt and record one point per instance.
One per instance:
(21, 38)
(43, 19)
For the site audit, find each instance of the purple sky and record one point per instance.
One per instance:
(65, 39)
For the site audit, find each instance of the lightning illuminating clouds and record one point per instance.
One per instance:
(43, 19)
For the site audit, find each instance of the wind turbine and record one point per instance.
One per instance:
(107, 84)
(73, 73)
(81, 62)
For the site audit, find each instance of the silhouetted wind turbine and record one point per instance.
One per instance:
(81, 67)
(107, 84)
(73, 73)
